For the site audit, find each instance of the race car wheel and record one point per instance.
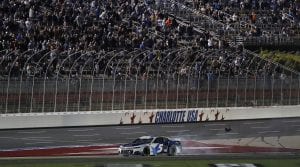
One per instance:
(146, 151)
(172, 150)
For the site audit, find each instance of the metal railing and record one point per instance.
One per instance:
(186, 13)
(143, 79)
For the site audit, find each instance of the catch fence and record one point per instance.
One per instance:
(47, 81)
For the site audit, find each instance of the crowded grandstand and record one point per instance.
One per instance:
(75, 55)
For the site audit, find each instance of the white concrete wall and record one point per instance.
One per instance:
(89, 118)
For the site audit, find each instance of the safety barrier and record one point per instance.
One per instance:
(135, 117)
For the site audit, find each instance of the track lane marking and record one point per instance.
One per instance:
(127, 128)
(274, 131)
(87, 135)
(41, 142)
(131, 133)
(172, 126)
(88, 140)
(257, 127)
(27, 138)
(7, 137)
(292, 121)
(32, 132)
(252, 123)
(177, 131)
(187, 135)
(215, 125)
(37, 137)
(178, 138)
(105, 149)
(222, 134)
(79, 130)
(215, 129)
(199, 148)
(37, 140)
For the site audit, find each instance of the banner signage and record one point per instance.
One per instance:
(176, 116)
(173, 116)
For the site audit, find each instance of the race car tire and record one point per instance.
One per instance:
(172, 150)
(146, 151)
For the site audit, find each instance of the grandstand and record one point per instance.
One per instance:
(63, 55)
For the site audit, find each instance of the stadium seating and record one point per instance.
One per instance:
(156, 50)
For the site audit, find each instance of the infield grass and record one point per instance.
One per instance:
(153, 162)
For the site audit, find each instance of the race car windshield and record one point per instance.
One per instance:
(142, 141)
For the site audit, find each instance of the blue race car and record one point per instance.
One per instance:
(148, 145)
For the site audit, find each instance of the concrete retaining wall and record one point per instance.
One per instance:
(90, 118)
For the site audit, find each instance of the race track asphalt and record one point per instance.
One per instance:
(108, 135)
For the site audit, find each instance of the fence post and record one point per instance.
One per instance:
(33, 80)
(298, 89)
(157, 76)
(124, 94)
(281, 90)
(254, 90)
(246, 89)
(158, 71)
(236, 90)
(189, 74)
(198, 79)
(147, 77)
(93, 75)
(103, 78)
(57, 72)
(8, 82)
(20, 88)
(132, 57)
(44, 85)
(207, 94)
(69, 76)
(218, 86)
(136, 77)
(80, 80)
(114, 84)
(263, 102)
(168, 82)
(272, 88)
(182, 64)
(177, 89)
(21, 80)
(198, 87)
(290, 94)
(227, 91)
